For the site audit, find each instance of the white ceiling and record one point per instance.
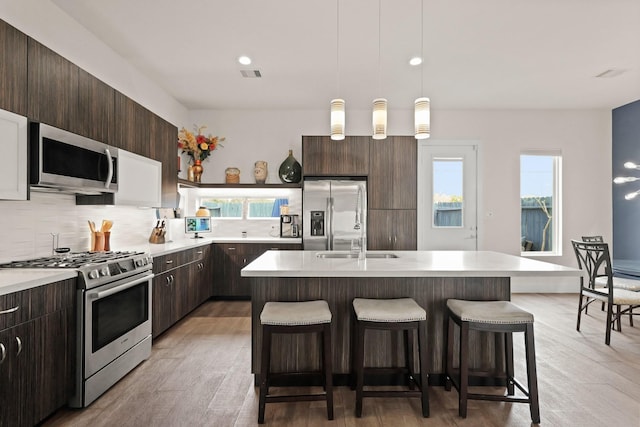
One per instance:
(489, 54)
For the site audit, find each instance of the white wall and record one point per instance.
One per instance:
(583, 136)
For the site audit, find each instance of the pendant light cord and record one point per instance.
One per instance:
(379, 43)
(338, 47)
(422, 47)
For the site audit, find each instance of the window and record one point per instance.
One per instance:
(447, 192)
(540, 203)
(244, 207)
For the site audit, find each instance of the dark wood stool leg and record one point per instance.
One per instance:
(464, 369)
(360, 331)
(328, 368)
(532, 376)
(508, 361)
(424, 365)
(264, 372)
(448, 361)
(408, 352)
(354, 352)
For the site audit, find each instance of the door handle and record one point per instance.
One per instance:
(110, 172)
(19, 342)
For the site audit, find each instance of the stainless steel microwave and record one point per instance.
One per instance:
(64, 161)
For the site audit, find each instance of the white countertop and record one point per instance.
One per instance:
(16, 279)
(181, 244)
(408, 264)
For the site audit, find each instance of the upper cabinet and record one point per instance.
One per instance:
(13, 69)
(133, 126)
(322, 156)
(96, 108)
(163, 148)
(52, 88)
(13, 174)
(392, 177)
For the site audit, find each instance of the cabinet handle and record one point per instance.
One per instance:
(3, 353)
(395, 239)
(231, 249)
(168, 279)
(274, 249)
(19, 342)
(10, 310)
(199, 252)
(169, 261)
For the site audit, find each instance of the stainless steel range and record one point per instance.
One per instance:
(114, 315)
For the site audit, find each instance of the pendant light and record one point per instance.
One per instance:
(422, 114)
(337, 105)
(379, 116)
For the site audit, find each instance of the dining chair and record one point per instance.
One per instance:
(594, 259)
(618, 282)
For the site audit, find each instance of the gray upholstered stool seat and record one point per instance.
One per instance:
(295, 318)
(295, 313)
(388, 310)
(501, 317)
(500, 312)
(398, 314)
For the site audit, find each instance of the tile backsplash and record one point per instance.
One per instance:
(26, 226)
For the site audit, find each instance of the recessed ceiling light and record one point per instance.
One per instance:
(244, 60)
(416, 60)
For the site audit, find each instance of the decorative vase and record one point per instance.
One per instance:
(197, 171)
(290, 170)
(232, 175)
(190, 175)
(260, 172)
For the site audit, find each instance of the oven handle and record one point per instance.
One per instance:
(119, 288)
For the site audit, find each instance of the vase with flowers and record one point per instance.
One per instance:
(198, 147)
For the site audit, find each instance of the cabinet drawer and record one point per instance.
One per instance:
(167, 262)
(31, 303)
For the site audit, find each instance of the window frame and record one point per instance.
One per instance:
(556, 206)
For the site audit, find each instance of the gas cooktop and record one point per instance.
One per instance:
(94, 268)
(72, 260)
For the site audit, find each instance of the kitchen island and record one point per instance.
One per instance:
(429, 277)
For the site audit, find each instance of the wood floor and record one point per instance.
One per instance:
(199, 375)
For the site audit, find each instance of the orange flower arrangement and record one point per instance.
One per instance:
(196, 144)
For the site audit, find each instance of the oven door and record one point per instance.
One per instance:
(117, 317)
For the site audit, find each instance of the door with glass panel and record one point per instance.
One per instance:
(447, 196)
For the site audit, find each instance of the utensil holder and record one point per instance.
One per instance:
(157, 235)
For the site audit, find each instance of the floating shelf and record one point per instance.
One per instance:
(186, 183)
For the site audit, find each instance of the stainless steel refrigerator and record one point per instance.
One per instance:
(334, 214)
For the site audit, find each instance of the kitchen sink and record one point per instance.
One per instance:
(369, 255)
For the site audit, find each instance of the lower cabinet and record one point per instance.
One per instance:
(231, 258)
(37, 356)
(182, 282)
(392, 229)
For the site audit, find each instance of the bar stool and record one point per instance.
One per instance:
(295, 318)
(491, 316)
(391, 314)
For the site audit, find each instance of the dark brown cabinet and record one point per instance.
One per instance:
(163, 149)
(230, 258)
(183, 281)
(52, 88)
(96, 108)
(392, 229)
(133, 126)
(321, 156)
(13, 69)
(393, 171)
(37, 343)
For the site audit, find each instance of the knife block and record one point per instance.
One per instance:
(157, 235)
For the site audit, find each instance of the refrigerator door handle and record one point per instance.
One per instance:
(330, 223)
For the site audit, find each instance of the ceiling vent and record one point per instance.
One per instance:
(610, 73)
(251, 74)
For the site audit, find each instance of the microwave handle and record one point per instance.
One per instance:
(110, 173)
